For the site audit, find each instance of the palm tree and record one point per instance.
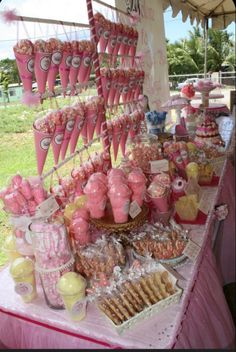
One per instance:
(187, 55)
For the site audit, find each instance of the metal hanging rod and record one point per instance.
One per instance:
(78, 151)
(111, 7)
(50, 21)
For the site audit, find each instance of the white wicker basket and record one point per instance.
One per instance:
(155, 308)
(149, 311)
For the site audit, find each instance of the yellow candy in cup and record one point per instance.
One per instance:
(22, 272)
(71, 286)
(9, 248)
(192, 170)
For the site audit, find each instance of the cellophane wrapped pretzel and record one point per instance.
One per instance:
(100, 257)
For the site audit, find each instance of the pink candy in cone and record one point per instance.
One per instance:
(74, 69)
(57, 141)
(41, 68)
(25, 65)
(117, 132)
(42, 142)
(103, 41)
(79, 122)
(91, 117)
(54, 69)
(64, 69)
(100, 120)
(85, 66)
(66, 138)
(106, 85)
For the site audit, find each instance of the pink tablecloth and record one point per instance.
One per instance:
(201, 320)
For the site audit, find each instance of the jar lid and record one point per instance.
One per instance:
(71, 283)
(21, 267)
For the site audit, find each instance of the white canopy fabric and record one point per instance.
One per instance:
(222, 12)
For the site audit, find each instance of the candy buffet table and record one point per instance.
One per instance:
(201, 320)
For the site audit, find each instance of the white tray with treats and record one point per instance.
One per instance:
(139, 295)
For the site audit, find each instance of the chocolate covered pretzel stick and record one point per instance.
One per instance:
(138, 288)
(105, 309)
(154, 287)
(133, 293)
(147, 290)
(114, 308)
(161, 286)
(165, 279)
(119, 305)
(127, 304)
(135, 304)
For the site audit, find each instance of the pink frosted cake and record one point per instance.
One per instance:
(208, 133)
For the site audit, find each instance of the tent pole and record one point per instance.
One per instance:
(205, 40)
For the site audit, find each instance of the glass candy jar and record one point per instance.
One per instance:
(53, 257)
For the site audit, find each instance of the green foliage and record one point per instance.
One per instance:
(187, 55)
(9, 66)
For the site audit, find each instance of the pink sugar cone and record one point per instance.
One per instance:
(54, 69)
(66, 138)
(119, 90)
(64, 69)
(103, 41)
(84, 67)
(74, 69)
(112, 92)
(125, 91)
(160, 203)
(41, 68)
(42, 142)
(91, 117)
(57, 142)
(117, 132)
(106, 85)
(25, 65)
(88, 72)
(79, 122)
(123, 45)
(111, 43)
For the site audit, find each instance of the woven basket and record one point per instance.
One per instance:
(107, 223)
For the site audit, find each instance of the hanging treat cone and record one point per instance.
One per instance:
(57, 141)
(91, 117)
(71, 114)
(84, 67)
(79, 122)
(57, 49)
(106, 85)
(41, 68)
(25, 65)
(64, 67)
(117, 132)
(125, 133)
(42, 143)
(74, 70)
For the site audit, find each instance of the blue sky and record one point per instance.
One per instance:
(175, 29)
